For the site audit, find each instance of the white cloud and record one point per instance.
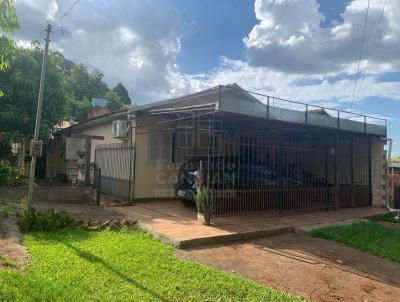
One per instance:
(322, 49)
(341, 31)
(52, 9)
(137, 42)
(294, 41)
(324, 90)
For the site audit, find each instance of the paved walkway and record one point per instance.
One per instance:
(174, 223)
(177, 224)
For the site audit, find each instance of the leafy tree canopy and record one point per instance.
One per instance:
(68, 90)
(20, 84)
(8, 17)
(8, 25)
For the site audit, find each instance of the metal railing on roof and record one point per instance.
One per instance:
(338, 113)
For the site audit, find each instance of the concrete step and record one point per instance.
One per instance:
(229, 238)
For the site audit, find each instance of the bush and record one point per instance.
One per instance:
(9, 176)
(62, 177)
(50, 220)
(5, 172)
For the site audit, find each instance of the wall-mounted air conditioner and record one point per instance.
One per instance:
(120, 129)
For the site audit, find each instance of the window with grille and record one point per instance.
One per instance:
(160, 147)
(184, 146)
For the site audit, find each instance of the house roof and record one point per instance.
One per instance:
(233, 99)
(94, 122)
(210, 95)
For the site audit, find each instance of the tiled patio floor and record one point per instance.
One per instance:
(177, 224)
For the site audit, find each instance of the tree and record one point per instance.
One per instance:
(20, 84)
(121, 91)
(8, 25)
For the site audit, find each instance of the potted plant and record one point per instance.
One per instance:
(203, 200)
(202, 197)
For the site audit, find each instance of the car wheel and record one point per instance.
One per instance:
(188, 203)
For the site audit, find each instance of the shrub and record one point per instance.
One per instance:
(62, 177)
(9, 176)
(5, 172)
(33, 220)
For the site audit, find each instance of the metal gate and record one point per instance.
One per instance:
(116, 164)
(249, 173)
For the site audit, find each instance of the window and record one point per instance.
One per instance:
(160, 147)
(184, 146)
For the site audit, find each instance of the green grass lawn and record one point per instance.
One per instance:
(375, 238)
(79, 265)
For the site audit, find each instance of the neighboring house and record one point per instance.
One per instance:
(316, 159)
(73, 140)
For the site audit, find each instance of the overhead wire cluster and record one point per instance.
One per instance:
(372, 45)
(354, 95)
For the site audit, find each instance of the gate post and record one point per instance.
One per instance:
(98, 187)
(336, 175)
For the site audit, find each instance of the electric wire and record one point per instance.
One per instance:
(278, 22)
(360, 56)
(372, 47)
(68, 10)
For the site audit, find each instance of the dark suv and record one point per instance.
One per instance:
(226, 173)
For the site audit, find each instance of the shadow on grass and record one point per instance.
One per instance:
(95, 259)
(69, 234)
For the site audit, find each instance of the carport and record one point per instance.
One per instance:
(264, 153)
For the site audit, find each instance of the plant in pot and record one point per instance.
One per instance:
(203, 201)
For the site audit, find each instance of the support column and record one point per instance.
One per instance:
(336, 175)
(352, 171)
(370, 170)
(327, 195)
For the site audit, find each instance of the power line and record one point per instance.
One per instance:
(360, 56)
(69, 10)
(279, 20)
(372, 45)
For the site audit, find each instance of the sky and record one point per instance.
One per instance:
(302, 50)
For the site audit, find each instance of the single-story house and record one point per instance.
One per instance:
(318, 157)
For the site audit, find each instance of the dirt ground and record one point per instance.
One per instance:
(11, 247)
(313, 268)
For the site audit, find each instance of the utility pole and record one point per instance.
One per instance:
(38, 117)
